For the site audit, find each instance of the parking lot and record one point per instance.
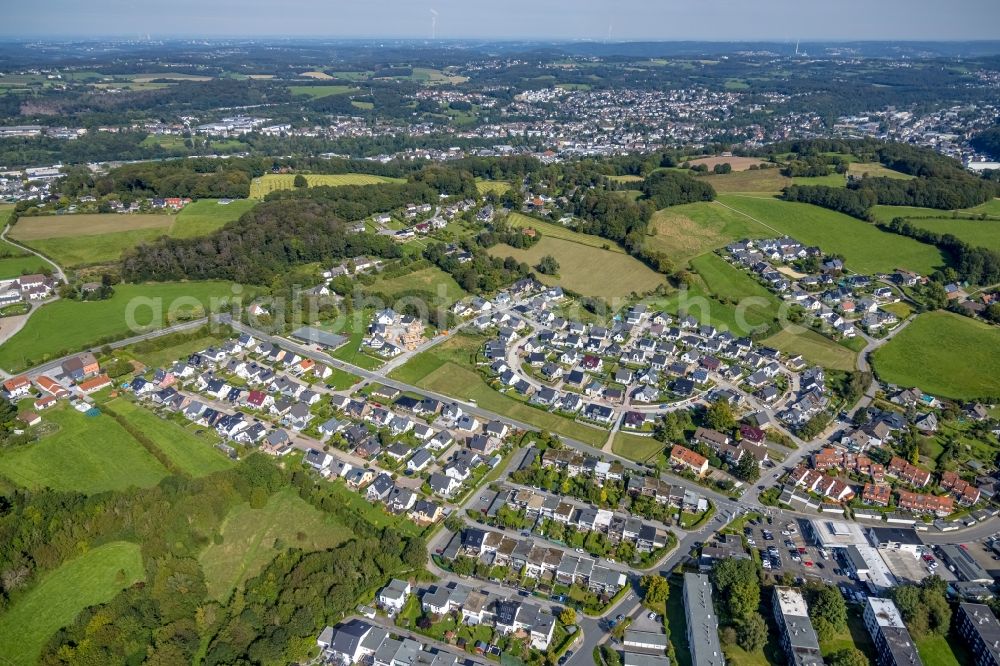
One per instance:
(783, 549)
(907, 568)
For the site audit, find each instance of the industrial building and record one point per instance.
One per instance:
(963, 565)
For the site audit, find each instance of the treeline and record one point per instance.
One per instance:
(356, 202)
(208, 177)
(670, 188)
(977, 265)
(939, 192)
(853, 202)
(481, 274)
(266, 241)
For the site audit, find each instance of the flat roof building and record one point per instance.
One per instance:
(798, 637)
(643, 659)
(896, 538)
(964, 565)
(892, 641)
(702, 623)
(979, 627)
(645, 640)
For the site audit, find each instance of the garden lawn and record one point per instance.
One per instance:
(89, 454)
(856, 635)
(939, 651)
(91, 578)
(813, 347)
(192, 454)
(865, 248)
(636, 448)
(341, 379)
(11, 267)
(250, 538)
(587, 270)
(67, 326)
(943, 354)
(264, 185)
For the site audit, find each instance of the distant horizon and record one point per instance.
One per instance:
(10, 39)
(518, 20)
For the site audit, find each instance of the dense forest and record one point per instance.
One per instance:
(988, 142)
(165, 619)
(267, 241)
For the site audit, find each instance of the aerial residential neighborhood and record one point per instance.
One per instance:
(554, 334)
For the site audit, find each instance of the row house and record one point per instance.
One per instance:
(921, 503)
(908, 472)
(821, 484)
(964, 492)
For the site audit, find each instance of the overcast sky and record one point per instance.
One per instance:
(718, 20)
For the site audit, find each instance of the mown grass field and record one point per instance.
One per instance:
(60, 226)
(76, 251)
(737, 163)
(636, 448)
(830, 180)
(431, 279)
(683, 232)
(814, 348)
(92, 578)
(78, 240)
(886, 213)
(984, 233)
(206, 215)
(496, 186)
(874, 170)
(264, 185)
(250, 537)
(943, 354)
(161, 357)
(553, 230)
(866, 248)
(89, 454)
(193, 454)
(448, 369)
(586, 269)
(68, 326)
(767, 181)
(744, 302)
